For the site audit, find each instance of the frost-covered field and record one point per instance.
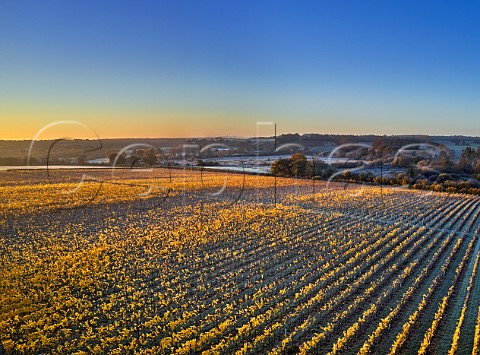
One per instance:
(196, 262)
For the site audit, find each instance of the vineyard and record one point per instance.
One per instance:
(190, 262)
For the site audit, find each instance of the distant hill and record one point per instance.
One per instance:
(82, 151)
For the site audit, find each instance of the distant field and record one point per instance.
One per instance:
(189, 262)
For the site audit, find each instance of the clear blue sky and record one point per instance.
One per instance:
(189, 68)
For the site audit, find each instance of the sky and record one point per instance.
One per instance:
(218, 68)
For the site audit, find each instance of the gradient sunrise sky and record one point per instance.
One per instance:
(208, 68)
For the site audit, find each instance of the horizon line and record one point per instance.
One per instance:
(250, 137)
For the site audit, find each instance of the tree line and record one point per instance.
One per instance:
(439, 172)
